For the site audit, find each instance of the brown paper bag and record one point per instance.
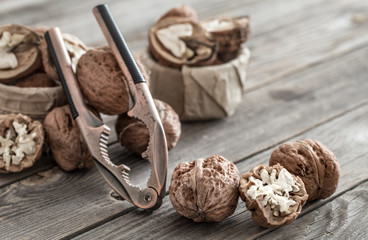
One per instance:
(34, 102)
(198, 93)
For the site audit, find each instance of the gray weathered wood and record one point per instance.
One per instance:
(167, 224)
(80, 201)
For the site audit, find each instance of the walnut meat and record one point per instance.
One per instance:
(102, 82)
(273, 195)
(205, 190)
(316, 165)
(19, 52)
(21, 141)
(65, 140)
(134, 135)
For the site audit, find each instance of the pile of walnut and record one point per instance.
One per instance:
(104, 87)
(24, 59)
(178, 38)
(208, 189)
(25, 62)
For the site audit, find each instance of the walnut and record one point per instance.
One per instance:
(230, 34)
(21, 141)
(65, 140)
(134, 135)
(176, 41)
(75, 47)
(205, 190)
(316, 165)
(102, 82)
(19, 53)
(36, 80)
(183, 11)
(273, 195)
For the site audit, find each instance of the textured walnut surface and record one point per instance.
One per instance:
(6, 124)
(36, 80)
(65, 140)
(134, 135)
(262, 214)
(316, 165)
(205, 190)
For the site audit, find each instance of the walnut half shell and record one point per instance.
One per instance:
(205, 190)
(25, 49)
(21, 141)
(273, 195)
(314, 163)
(178, 41)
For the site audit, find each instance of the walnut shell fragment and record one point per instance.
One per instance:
(134, 135)
(315, 164)
(230, 34)
(176, 41)
(65, 140)
(36, 80)
(21, 141)
(75, 47)
(183, 11)
(205, 190)
(273, 195)
(19, 52)
(102, 82)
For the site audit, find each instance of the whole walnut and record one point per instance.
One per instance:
(316, 165)
(21, 142)
(183, 11)
(134, 135)
(65, 140)
(273, 195)
(205, 190)
(102, 82)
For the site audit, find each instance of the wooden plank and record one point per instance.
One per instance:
(80, 201)
(56, 11)
(345, 217)
(349, 132)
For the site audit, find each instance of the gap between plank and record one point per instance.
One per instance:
(337, 116)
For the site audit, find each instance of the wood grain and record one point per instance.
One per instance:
(168, 224)
(342, 218)
(80, 201)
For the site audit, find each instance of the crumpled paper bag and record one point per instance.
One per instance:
(34, 102)
(199, 93)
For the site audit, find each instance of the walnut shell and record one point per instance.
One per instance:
(33, 127)
(183, 11)
(36, 80)
(316, 165)
(262, 214)
(205, 190)
(26, 52)
(75, 47)
(134, 135)
(102, 82)
(201, 43)
(65, 140)
(230, 33)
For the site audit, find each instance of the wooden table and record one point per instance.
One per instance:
(308, 79)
